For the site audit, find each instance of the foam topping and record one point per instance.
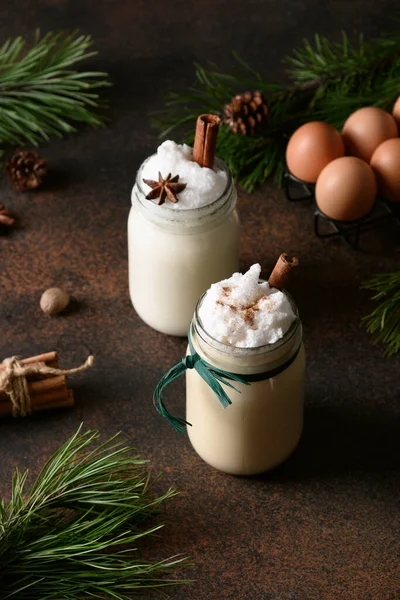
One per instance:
(242, 312)
(203, 185)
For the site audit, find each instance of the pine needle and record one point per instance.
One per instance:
(41, 92)
(384, 321)
(74, 532)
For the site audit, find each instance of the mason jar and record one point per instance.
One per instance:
(263, 424)
(176, 254)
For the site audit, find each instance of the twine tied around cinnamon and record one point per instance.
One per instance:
(13, 380)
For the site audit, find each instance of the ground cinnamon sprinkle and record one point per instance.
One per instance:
(248, 315)
(248, 311)
(231, 306)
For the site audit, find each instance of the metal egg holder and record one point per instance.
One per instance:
(349, 231)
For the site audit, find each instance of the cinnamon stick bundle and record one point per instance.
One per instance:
(44, 390)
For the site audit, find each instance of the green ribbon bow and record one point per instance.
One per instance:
(212, 376)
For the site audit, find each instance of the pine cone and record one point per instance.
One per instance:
(26, 170)
(247, 113)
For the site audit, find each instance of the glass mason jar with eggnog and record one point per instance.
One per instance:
(183, 229)
(245, 369)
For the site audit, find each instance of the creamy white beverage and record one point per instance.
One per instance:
(178, 248)
(245, 327)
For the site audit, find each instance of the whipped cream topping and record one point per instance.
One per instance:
(203, 185)
(242, 312)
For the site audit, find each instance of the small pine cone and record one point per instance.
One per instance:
(247, 113)
(26, 170)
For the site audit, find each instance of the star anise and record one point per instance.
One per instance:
(6, 217)
(164, 188)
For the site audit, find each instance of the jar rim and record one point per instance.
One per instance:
(246, 350)
(185, 214)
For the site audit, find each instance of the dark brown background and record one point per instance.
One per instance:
(325, 525)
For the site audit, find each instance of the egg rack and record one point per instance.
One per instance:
(297, 190)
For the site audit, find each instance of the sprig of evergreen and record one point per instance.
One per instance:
(74, 532)
(384, 321)
(42, 93)
(328, 81)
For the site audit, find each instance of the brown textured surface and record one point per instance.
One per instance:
(324, 526)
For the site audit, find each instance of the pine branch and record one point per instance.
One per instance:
(384, 321)
(329, 80)
(74, 532)
(41, 93)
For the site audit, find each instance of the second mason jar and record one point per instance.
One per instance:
(175, 255)
(263, 425)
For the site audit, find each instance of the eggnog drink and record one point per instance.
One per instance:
(247, 328)
(177, 249)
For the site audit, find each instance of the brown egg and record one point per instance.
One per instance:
(346, 189)
(386, 165)
(366, 129)
(396, 112)
(311, 148)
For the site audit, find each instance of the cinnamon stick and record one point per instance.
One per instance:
(38, 388)
(59, 399)
(49, 358)
(205, 140)
(281, 272)
(63, 403)
(44, 398)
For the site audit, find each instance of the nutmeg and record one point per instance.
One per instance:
(54, 301)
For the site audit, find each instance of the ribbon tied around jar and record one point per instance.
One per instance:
(213, 378)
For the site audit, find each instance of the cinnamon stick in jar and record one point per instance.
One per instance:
(205, 140)
(281, 272)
